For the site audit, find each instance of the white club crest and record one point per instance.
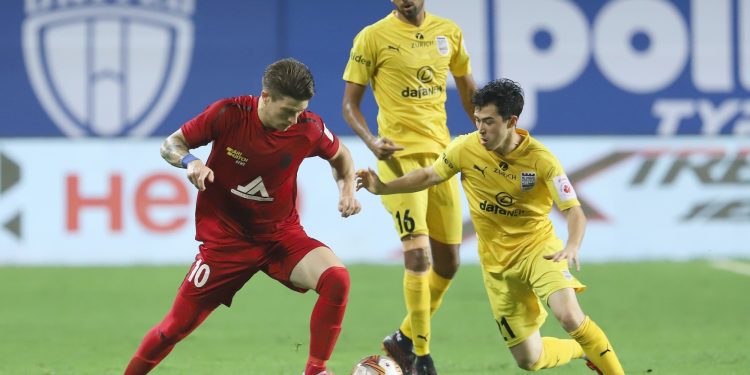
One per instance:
(442, 45)
(108, 68)
(255, 190)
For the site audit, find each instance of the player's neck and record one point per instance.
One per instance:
(510, 144)
(262, 112)
(416, 21)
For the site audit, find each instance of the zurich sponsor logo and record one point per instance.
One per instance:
(108, 68)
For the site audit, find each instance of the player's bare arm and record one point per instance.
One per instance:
(416, 180)
(174, 149)
(343, 172)
(383, 148)
(576, 228)
(466, 87)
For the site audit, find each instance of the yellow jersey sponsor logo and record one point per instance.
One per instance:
(420, 92)
(499, 210)
(360, 59)
(504, 205)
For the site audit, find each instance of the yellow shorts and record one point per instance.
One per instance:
(435, 212)
(516, 294)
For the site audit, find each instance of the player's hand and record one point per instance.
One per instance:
(368, 179)
(569, 253)
(198, 173)
(383, 148)
(349, 205)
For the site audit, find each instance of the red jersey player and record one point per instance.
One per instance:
(246, 218)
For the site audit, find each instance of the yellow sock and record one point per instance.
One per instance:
(597, 347)
(417, 323)
(556, 352)
(438, 286)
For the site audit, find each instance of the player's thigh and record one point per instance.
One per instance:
(444, 217)
(408, 211)
(308, 270)
(547, 277)
(287, 253)
(516, 309)
(218, 272)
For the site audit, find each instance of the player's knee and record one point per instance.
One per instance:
(446, 269)
(171, 332)
(334, 285)
(445, 258)
(166, 337)
(417, 259)
(526, 364)
(570, 319)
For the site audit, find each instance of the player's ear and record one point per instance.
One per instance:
(513, 121)
(265, 96)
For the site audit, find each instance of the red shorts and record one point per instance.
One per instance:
(220, 271)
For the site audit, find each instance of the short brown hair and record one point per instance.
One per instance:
(289, 77)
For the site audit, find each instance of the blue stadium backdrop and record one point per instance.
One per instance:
(120, 68)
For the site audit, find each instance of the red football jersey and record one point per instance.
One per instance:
(255, 169)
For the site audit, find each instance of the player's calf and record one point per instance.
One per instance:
(182, 318)
(327, 315)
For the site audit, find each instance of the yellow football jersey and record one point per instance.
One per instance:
(510, 197)
(407, 67)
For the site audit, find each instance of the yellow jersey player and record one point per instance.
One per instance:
(511, 181)
(406, 58)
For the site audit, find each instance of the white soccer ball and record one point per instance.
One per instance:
(377, 365)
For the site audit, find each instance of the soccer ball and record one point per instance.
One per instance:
(376, 365)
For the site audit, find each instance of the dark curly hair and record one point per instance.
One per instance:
(289, 77)
(505, 94)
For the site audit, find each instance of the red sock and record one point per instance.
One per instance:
(139, 365)
(327, 315)
(182, 318)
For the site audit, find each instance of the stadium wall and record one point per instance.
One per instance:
(645, 198)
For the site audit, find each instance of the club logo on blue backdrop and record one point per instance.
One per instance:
(636, 66)
(108, 68)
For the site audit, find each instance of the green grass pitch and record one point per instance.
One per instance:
(662, 317)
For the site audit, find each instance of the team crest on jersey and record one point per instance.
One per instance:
(442, 45)
(528, 180)
(107, 67)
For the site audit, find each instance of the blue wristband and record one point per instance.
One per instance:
(187, 159)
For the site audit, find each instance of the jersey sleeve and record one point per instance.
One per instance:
(460, 64)
(362, 59)
(205, 127)
(448, 164)
(559, 186)
(327, 145)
